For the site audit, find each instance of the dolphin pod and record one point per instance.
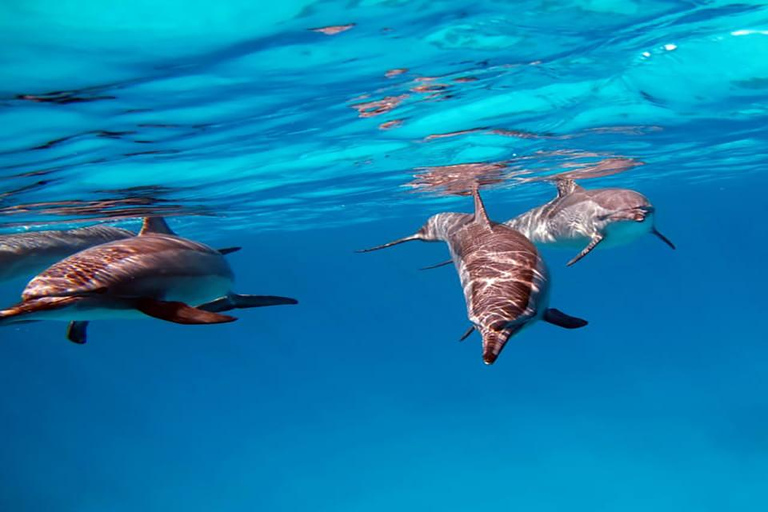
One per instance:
(155, 273)
(103, 272)
(505, 281)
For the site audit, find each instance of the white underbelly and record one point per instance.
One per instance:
(625, 232)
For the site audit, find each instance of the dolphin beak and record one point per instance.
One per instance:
(663, 238)
(643, 212)
(494, 341)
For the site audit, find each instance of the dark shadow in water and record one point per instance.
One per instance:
(25, 188)
(65, 97)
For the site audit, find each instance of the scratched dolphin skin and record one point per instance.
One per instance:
(155, 274)
(505, 281)
(27, 254)
(587, 218)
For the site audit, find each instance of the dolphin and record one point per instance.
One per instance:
(505, 281)
(579, 217)
(588, 218)
(156, 274)
(27, 254)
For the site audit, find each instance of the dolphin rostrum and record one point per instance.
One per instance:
(27, 254)
(156, 273)
(505, 281)
(578, 216)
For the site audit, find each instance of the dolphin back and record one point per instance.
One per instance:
(26, 254)
(124, 266)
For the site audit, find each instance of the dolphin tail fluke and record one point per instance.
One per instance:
(417, 236)
(557, 317)
(180, 313)
(235, 301)
(663, 238)
(77, 332)
(596, 240)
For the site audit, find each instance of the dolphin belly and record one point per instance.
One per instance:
(198, 290)
(191, 290)
(625, 232)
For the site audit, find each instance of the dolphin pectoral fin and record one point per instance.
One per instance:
(438, 265)
(557, 317)
(179, 313)
(218, 305)
(467, 333)
(258, 301)
(77, 332)
(663, 238)
(229, 250)
(235, 301)
(596, 240)
(390, 244)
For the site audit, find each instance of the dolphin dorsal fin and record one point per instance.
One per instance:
(565, 186)
(481, 216)
(155, 225)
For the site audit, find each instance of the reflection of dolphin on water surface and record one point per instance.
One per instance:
(505, 281)
(155, 273)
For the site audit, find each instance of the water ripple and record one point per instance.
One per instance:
(324, 121)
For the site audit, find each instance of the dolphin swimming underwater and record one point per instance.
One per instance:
(27, 254)
(156, 273)
(505, 281)
(588, 217)
(580, 217)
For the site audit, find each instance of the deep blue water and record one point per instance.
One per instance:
(245, 127)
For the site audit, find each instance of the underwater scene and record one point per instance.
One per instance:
(384, 255)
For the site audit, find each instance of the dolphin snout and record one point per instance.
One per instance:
(641, 213)
(494, 341)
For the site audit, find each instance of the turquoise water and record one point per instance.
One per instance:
(246, 125)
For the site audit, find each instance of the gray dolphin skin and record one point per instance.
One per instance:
(504, 279)
(156, 274)
(27, 254)
(579, 217)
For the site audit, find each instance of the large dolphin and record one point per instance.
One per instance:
(155, 274)
(27, 254)
(585, 218)
(505, 281)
